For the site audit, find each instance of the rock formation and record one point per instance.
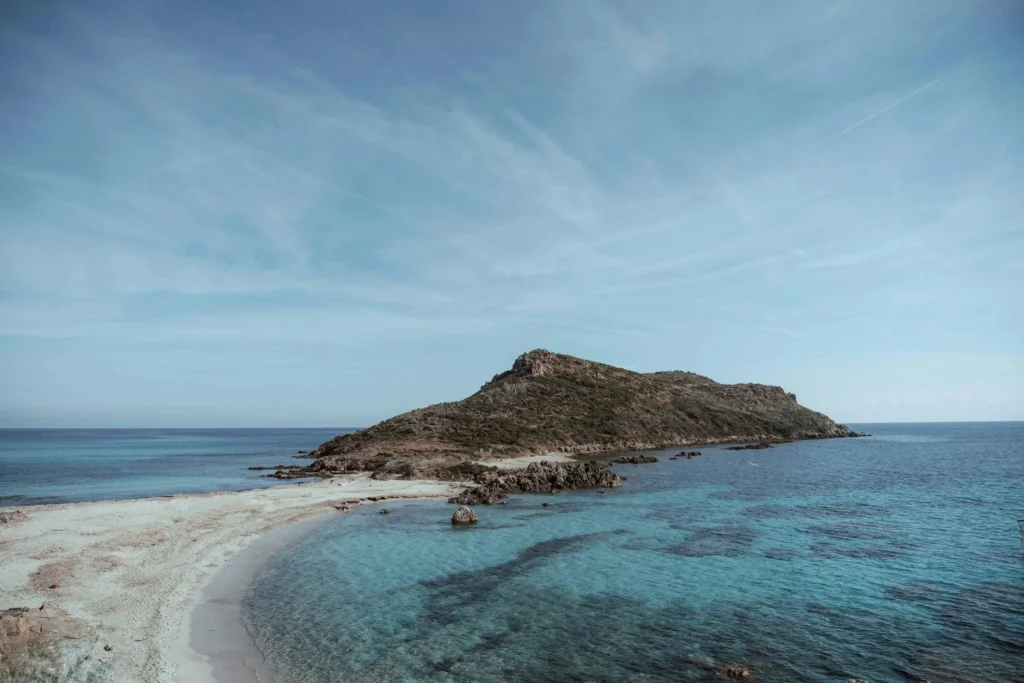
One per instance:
(46, 644)
(734, 671)
(550, 402)
(634, 459)
(538, 477)
(752, 446)
(464, 515)
(12, 516)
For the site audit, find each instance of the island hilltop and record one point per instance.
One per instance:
(553, 403)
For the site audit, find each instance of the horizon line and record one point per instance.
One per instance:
(861, 422)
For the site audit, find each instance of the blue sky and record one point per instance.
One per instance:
(267, 214)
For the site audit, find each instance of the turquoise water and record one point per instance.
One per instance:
(40, 466)
(891, 558)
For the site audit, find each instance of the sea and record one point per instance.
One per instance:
(42, 466)
(894, 557)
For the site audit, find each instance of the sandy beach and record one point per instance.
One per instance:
(134, 570)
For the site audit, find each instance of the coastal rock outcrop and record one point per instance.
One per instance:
(464, 515)
(46, 644)
(635, 459)
(12, 516)
(752, 446)
(538, 477)
(550, 402)
(734, 671)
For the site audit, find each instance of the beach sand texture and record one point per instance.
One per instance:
(135, 569)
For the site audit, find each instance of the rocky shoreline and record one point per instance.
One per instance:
(538, 477)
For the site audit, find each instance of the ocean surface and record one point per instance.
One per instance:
(890, 558)
(40, 466)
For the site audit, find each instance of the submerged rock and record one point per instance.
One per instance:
(464, 515)
(538, 477)
(635, 459)
(735, 671)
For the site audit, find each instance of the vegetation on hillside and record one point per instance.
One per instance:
(552, 402)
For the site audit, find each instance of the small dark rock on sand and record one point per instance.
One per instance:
(464, 515)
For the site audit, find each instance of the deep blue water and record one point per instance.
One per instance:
(890, 558)
(39, 466)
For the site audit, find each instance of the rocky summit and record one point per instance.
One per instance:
(549, 402)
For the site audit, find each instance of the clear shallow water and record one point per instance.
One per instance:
(890, 558)
(39, 466)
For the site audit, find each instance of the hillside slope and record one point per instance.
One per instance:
(551, 402)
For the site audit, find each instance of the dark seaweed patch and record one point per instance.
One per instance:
(727, 541)
(463, 588)
(851, 531)
(818, 511)
(859, 552)
(919, 591)
(781, 553)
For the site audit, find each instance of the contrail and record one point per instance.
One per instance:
(894, 104)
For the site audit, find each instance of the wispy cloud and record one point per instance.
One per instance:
(592, 175)
(893, 105)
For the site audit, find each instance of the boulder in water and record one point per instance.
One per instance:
(734, 671)
(538, 477)
(635, 459)
(464, 515)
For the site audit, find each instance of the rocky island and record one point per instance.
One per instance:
(550, 403)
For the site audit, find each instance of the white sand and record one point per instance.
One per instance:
(136, 568)
(524, 460)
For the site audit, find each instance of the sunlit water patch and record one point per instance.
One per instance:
(890, 559)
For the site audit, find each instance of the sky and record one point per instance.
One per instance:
(268, 214)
